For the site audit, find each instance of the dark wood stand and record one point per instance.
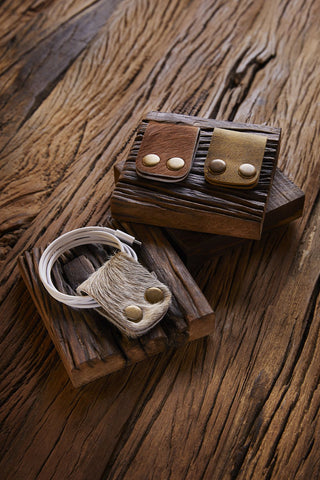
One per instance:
(285, 204)
(89, 346)
(193, 203)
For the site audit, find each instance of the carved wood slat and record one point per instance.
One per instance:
(88, 345)
(285, 204)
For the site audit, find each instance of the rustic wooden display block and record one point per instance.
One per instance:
(285, 204)
(193, 203)
(89, 346)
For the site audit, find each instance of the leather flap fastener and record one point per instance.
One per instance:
(234, 158)
(167, 151)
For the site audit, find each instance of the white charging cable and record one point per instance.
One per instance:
(80, 236)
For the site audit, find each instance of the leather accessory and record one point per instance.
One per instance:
(167, 151)
(234, 159)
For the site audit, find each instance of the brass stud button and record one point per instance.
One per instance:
(217, 166)
(133, 313)
(150, 160)
(247, 170)
(154, 295)
(175, 163)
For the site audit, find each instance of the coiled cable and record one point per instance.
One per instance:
(74, 238)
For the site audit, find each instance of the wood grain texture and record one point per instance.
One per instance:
(285, 204)
(194, 204)
(89, 346)
(242, 404)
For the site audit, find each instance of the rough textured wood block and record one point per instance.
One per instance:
(193, 203)
(89, 346)
(285, 204)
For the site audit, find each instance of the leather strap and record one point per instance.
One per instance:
(167, 151)
(234, 158)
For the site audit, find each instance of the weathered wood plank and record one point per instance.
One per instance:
(271, 397)
(89, 346)
(244, 403)
(38, 63)
(85, 342)
(285, 204)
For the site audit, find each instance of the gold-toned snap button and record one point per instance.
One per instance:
(150, 160)
(175, 163)
(217, 166)
(247, 170)
(154, 295)
(133, 313)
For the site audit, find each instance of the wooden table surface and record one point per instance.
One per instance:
(76, 78)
